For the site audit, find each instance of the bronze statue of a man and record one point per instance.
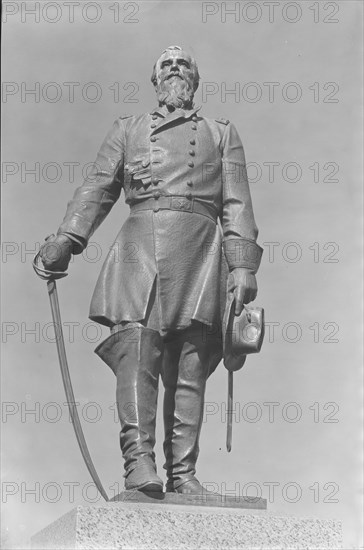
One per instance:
(191, 222)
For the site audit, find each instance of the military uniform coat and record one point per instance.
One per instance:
(188, 172)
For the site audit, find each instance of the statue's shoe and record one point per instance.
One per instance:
(189, 487)
(144, 478)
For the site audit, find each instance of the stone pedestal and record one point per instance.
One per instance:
(161, 525)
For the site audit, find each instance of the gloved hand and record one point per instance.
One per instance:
(56, 252)
(242, 283)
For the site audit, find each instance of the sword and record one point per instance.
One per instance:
(229, 429)
(50, 277)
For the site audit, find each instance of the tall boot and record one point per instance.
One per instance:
(186, 365)
(135, 356)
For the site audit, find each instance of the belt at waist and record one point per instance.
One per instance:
(174, 202)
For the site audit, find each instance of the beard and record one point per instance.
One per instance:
(175, 93)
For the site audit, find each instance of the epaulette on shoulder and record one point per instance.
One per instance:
(222, 120)
(125, 116)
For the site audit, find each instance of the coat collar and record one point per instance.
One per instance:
(167, 117)
(185, 113)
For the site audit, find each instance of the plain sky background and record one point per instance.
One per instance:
(320, 372)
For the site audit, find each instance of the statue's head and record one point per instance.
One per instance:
(175, 78)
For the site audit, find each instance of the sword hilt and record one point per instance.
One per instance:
(46, 274)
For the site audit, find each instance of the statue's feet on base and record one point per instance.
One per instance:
(144, 478)
(189, 487)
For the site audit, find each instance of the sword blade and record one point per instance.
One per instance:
(229, 429)
(56, 315)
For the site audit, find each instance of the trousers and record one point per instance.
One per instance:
(143, 352)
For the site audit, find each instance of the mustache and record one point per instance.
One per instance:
(171, 75)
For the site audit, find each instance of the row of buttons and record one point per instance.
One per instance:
(191, 152)
(153, 125)
(155, 180)
(153, 138)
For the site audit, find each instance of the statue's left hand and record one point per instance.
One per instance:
(243, 284)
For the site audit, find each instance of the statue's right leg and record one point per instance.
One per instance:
(134, 353)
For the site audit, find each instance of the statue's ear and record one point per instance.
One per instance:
(154, 75)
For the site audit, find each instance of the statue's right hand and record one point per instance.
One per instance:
(56, 252)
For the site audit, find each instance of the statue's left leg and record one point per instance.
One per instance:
(188, 359)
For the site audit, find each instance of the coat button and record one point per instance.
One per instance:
(194, 118)
(153, 125)
(153, 138)
(191, 152)
(155, 181)
(189, 196)
(192, 141)
(194, 127)
(156, 195)
(154, 117)
(189, 183)
(191, 164)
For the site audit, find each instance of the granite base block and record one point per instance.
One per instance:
(145, 526)
(185, 499)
